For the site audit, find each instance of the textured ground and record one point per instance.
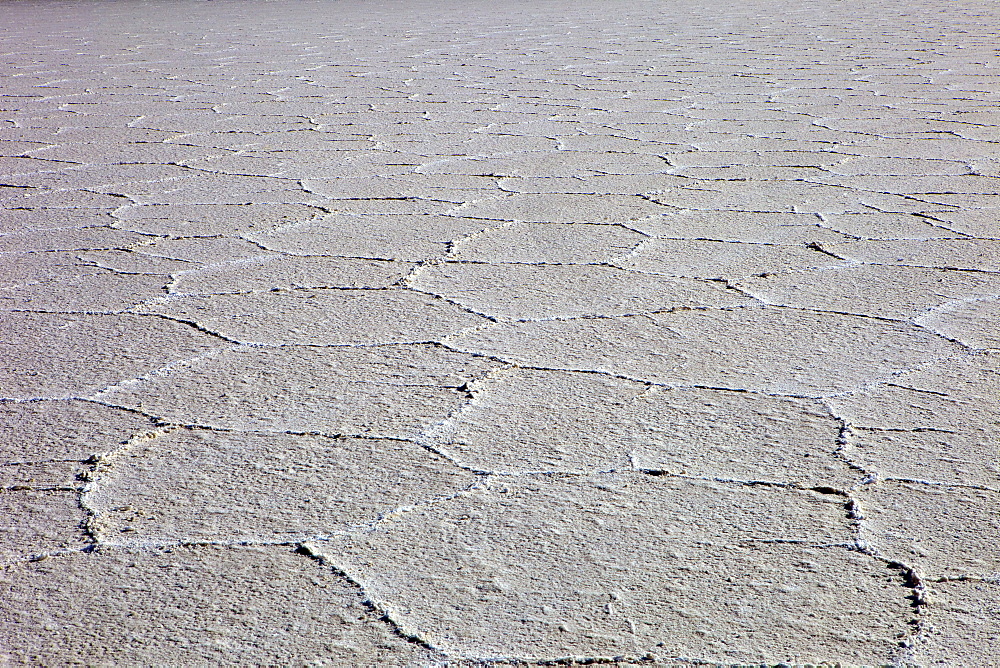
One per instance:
(361, 333)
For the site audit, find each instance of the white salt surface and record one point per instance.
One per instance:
(475, 333)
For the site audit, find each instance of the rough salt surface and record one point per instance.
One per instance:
(473, 333)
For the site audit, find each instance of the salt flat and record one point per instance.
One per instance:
(499, 333)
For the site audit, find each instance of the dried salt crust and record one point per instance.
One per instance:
(469, 334)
